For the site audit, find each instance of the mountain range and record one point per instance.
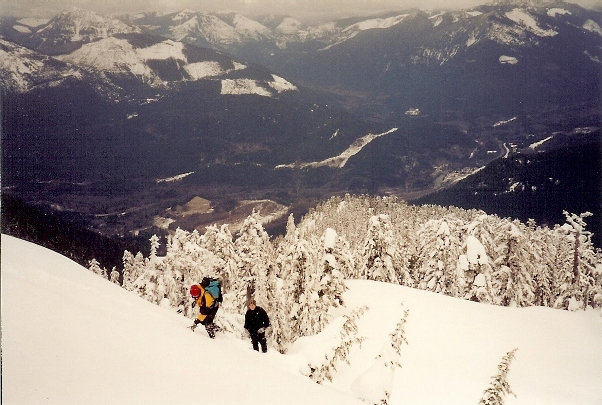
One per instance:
(430, 60)
(115, 121)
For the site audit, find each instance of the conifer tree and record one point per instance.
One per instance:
(539, 246)
(512, 281)
(375, 384)
(310, 275)
(296, 271)
(226, 252)
(133, 266)
(583, 283)
(499, 386)
(348, 338)
(437, 271)
(114, 276)
(475, 265)
(334, 262)
(288, 288)
(312, 281)
(255, 255)
(378, 257)
(154, 246)
(96, 268)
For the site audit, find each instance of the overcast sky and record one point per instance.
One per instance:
(299, 8)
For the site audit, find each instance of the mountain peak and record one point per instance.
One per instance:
(85, 25)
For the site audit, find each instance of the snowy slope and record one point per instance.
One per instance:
(69, 337)
(22, 69)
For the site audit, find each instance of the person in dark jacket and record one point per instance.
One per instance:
(256, 321)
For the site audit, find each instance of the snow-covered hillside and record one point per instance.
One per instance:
(23, 69)
(70, 337)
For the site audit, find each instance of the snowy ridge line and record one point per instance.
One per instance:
(341, 160)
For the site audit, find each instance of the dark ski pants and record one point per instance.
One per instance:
(210, 327)
(257, 339)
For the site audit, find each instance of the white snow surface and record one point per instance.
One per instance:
(508, 60)
(536, 145)
(504, 122)
(591, 25)
(526, 20)
(281, 85)
(71, 337)
(555, 12)
(174, 178)
(24, 69)
(22, 29)
(217, 30)
(162, 50)
(376, 23)
(256, 87)
(113, 54)
(201, 70)
(340, 160)
(32, 21)
(243, 86)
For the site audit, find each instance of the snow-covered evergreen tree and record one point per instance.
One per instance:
(477, 271)
(334, 261)
(437, 271)
(538, 245)
(114, 276)
(348, 338)
(255, 255)
(499, 386)
(375, 384)
(583, 283)
(308, 315)
(513, 281)
(288, 288)
(133, 266)
(154, 246)
(223, 248)
(379, 254)
(97, 269)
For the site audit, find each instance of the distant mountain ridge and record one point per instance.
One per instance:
(492, 53)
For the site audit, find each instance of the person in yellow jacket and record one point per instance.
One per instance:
(208, 307)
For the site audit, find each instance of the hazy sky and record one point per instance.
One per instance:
(300, 8)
